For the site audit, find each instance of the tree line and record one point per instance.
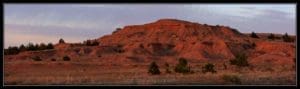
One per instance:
(12, 50)
(285, 37)
(91, 43)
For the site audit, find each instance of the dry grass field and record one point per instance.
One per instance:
(93, 73)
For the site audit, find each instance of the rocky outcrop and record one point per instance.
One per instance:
(170, 37)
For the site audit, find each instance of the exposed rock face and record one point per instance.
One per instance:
(171, 37)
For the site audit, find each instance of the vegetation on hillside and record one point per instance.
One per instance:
(66, 58)
(208, 67)
(287, 38)
(153, 69)
(29, 47)
(37, 58)
(182, 66)
(240, 60)
(91, 43)
(271, 36)
(253, 35)
(167, 68)
(61, 41)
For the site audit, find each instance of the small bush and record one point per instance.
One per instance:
(232, 78)
(287, 38)
(253, 35)
(153, 69)
(11, 51)
(240, 60)
(31, 47)
(271, 36)
(36, 58)
(42, 46)
(91, 43)
(50, 46)
(167, 68)
(61, 41)
(208, 68)
(66, 58)
(53, 59)
(117, 29)
(22, 48)
(182, 66)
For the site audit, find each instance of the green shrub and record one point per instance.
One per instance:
(61, 41)
(287, 38)
(182, 66)
(117, 29)
(153, 69)
(66, 58)
(253, 35)
(31, 47)
(271, 36)
(208, 68)
(167, 68)
(22, 48)
(53, 59)
(240, 60)
(232, 78)
(50, 46)
(36, 46)
(36, 58)
(91, 43)
(11, 51)
(42, 46)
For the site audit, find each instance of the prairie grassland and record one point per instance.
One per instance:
(93, 73)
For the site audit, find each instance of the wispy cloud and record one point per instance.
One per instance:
(52, 17)
(248, 11)
(81, 21)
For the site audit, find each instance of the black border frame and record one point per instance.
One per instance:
(139, 2)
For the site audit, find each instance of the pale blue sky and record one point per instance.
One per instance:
(77, 22)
